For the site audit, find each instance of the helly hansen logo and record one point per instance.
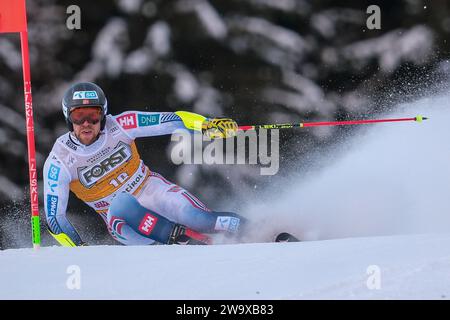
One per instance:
(147, 224)
(127, 121)
(88, 176)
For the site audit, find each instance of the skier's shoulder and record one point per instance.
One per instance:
(134, 119)
(54, 164)
(122, 115)
(126, 120)
(131, 122)
(65, 141)
(59, 142)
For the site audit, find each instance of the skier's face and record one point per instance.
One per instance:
(86, 124)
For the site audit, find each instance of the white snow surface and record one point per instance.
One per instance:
(410, 267)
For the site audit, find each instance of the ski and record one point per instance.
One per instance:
(184, 239)
(286, 237)
(194, 239)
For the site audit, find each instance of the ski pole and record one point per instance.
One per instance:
(331, 123)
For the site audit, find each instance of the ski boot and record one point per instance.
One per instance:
(185, 236)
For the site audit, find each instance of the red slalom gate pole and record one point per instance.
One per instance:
(35, 223)
(13, 18)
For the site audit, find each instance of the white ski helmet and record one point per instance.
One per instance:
(84, 94)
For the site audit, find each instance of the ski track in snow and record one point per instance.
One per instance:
(381, 199)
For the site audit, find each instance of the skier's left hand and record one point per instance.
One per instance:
(218, 128)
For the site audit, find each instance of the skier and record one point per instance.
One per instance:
(98, 161)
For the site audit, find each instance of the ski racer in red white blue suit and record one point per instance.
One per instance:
(99, 162)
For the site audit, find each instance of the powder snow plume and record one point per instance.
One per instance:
(391, 178)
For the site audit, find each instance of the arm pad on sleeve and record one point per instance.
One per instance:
(192, 121)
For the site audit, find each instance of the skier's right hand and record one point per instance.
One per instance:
(218, 128)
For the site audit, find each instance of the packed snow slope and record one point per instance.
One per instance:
(375, 214)
(412, 267)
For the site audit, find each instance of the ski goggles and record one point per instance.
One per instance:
(92, 115)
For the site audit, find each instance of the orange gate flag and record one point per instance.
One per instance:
(12, 16)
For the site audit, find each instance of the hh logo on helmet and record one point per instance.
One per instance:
(88, 176)
(80, 95)
(147, 224)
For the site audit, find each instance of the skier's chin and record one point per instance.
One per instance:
(86, 137)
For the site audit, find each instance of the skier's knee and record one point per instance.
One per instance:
(122, 205)
(142, 221)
